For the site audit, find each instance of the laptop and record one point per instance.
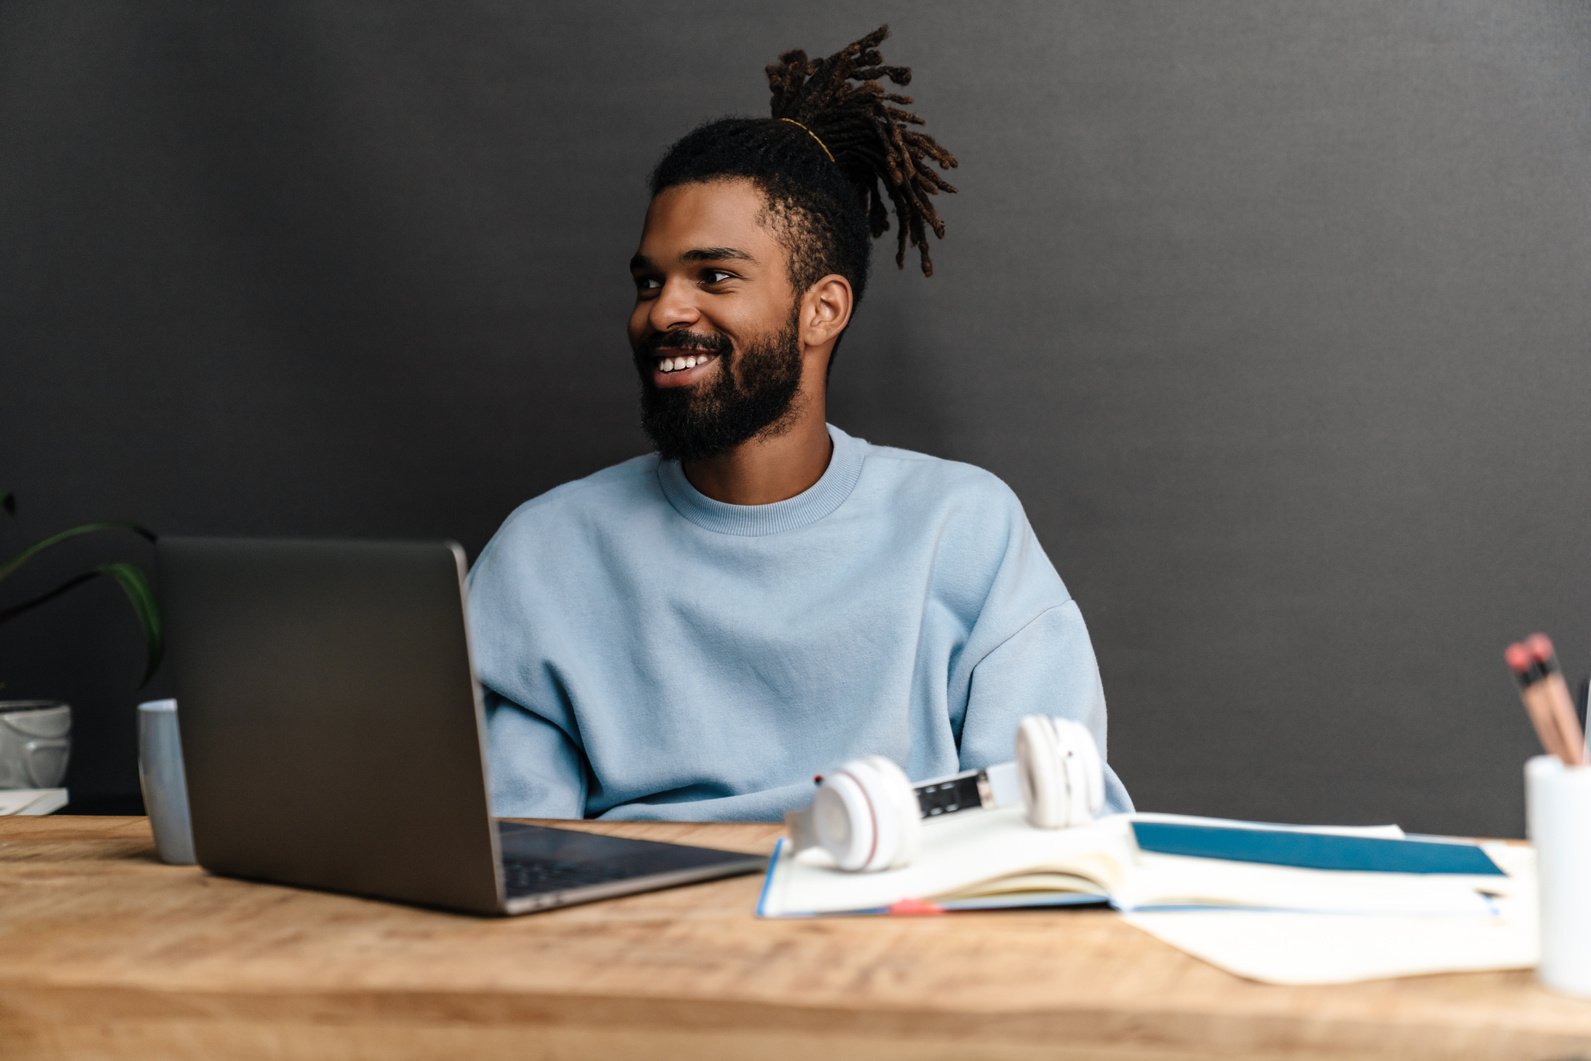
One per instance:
(332, 735)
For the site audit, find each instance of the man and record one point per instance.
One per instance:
(694, 634)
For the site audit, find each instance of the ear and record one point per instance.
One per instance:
(825, 311)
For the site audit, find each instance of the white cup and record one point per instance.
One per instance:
(35, 737)
(1558, 817)
(160, 776)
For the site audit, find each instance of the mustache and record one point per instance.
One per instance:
(708, 343)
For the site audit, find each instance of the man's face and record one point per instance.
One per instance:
(714, 326)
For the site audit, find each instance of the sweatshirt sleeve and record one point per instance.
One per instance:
(536, 771)
(1028, 650)
(535, 762)
(1046, 668)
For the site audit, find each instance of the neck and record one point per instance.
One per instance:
(769, 468)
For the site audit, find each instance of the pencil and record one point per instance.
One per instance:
(1529, 673)
(1560, 704)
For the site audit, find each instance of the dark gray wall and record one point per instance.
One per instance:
(1274, 315)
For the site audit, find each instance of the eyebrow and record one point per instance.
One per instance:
(717, 254)
(699, 254)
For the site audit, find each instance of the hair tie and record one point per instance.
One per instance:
(813, 135)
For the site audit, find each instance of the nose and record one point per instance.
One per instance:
(674, 307)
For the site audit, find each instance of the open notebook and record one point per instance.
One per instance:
(1147, 862)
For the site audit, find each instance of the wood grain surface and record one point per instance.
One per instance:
(107, 953)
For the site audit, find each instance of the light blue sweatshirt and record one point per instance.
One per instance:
(649, 652)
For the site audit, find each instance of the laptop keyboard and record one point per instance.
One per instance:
(534, 876)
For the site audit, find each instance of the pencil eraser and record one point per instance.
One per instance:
(1540, 647)
(915, 908)
(1519, 657)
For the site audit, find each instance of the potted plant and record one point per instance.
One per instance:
(33, 733)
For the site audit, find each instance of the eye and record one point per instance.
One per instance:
(716, 276)
(647, 285)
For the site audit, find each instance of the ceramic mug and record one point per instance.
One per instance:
(165, 787)
(35, 737)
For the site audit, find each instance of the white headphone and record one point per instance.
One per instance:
(868, 816)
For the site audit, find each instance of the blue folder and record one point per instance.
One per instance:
(1309, 850)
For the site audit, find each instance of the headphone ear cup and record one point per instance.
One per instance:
(1063, 780)
(1093, 764)
(1038, 765)
(865, 815)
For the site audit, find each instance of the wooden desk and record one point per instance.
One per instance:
(106, 953)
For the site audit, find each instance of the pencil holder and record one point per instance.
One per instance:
(1558, 817)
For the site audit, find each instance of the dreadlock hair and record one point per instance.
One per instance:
(837, 147)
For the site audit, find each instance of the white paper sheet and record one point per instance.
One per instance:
(1290, 948)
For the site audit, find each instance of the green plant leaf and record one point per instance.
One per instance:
(10, 567)
(130, 577)
(7, 614)
(135, 583)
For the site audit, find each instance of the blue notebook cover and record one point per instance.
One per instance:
(1306, 850)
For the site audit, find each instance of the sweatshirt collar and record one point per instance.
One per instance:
(807, 507)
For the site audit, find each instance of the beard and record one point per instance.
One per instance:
(713, 417)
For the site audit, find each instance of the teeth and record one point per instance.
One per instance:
(684, 361)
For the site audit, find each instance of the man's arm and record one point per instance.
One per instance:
(535, 763)
(1027, 651)
(536, 771)
(1048, 668)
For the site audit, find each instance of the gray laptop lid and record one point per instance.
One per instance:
(288, 655)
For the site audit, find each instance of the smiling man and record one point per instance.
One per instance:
(694, 633)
